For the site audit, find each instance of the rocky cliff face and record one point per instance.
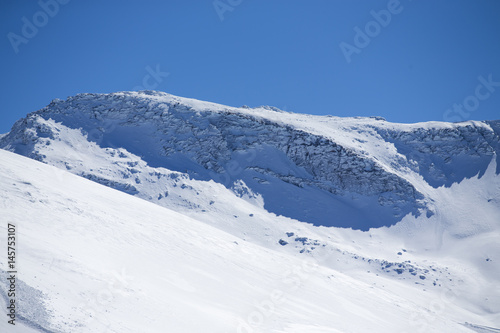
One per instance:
(445, 155)
(358, 172)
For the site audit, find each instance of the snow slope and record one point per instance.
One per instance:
(93, 259)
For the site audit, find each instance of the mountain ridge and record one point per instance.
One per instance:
(356, 164)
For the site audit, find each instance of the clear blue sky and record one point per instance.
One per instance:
(284, 53)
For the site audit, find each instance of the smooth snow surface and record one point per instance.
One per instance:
(94, 259)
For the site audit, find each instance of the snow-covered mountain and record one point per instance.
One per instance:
(256, 191)
(349, 172)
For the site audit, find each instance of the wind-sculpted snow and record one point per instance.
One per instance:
(350, 172)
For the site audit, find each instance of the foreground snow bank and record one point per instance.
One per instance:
(94, 259)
